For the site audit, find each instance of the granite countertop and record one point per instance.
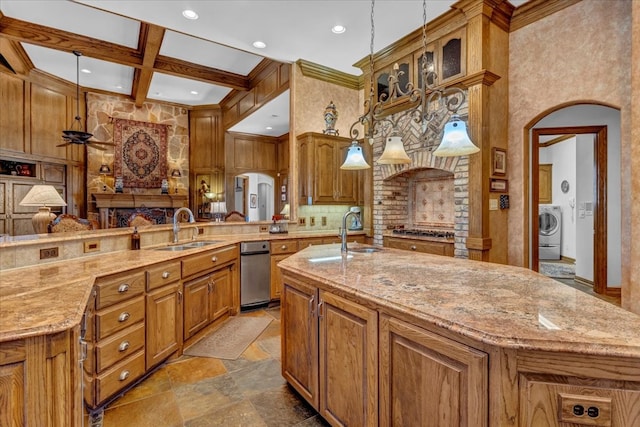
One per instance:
(50, 298)
(501, 305)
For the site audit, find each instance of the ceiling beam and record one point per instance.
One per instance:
(149, 43)
(52, 38)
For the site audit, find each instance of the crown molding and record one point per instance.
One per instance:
(330, 75)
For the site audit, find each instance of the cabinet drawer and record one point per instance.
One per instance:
(118, 317)
(436, 248)
(305, 243)
(164, 274)
(119, 376)
(119, 287)
(204, 262)
(119, 346)
(284, 247)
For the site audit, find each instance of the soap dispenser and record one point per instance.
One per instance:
(135, 239)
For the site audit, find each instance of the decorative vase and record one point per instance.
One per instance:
(330, 118)
(119, 184)
(164, 187)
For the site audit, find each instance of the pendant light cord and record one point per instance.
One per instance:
(77, 54)
(373, 32)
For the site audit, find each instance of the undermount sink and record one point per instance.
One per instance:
(367, 250)
(190, 245)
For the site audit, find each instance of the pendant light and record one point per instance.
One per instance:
(355, 158)
(455, 141)
(394, 151)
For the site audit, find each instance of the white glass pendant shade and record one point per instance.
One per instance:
(394, 152)
(355, 159)
(455, 141)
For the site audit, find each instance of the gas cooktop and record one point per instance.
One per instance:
(424, 233)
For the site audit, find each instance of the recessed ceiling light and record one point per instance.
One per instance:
(259, 45)
(268, 128)
(118, 86)
(338, 29)
(86, 71)
(189, 14)
(194, 92)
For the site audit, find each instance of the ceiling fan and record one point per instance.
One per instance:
(78, 136)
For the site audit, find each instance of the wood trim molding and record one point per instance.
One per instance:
(479, 243)
(534, 10)
(330, 75)
(556, 140)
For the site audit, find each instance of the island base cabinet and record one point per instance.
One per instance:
(330, 353)
(429, 380)
(299, 324)
(164, 323)
(348, 362)
(40, 381)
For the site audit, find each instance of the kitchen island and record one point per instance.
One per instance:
(393, 337)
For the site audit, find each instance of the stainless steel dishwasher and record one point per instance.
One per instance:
(255, 274)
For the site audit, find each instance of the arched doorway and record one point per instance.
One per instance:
(595, 209)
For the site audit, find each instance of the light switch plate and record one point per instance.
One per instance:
(493, 204)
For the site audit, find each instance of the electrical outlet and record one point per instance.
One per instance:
(585, 410)
(324, 221)
(312, 221)
(302, 221)
(200, 230)
(91, 246)
(49, 253)
(263, 229)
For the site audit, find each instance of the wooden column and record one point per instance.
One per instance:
(487, 46)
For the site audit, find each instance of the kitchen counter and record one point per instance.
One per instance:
(505, 306)
(426, 337)
(49, 298)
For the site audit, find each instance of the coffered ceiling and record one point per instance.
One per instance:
(146, 49)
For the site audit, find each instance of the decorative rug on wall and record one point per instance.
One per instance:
(230, 340)
(140, 153)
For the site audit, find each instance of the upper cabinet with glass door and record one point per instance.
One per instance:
(446, 57)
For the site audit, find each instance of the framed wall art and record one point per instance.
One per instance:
(498, 161)
(253, 201)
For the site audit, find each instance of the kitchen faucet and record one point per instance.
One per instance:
(176, 225)
(343, 231)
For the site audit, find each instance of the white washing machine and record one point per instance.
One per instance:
(550, 231)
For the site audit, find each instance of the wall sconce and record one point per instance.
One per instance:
(104, 169)
(175, 173)
(42, 196)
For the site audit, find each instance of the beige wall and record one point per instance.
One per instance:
(579, 54)
(631, 290)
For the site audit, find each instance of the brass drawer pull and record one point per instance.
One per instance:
(124, 316)
(124, 375)
(283, 247)
(413, 247)
(123, 288)
(166, 274)
(214, 259)
(124, 345)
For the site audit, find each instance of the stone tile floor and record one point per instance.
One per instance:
(198, 391)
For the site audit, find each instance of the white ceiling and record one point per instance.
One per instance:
(221, 38)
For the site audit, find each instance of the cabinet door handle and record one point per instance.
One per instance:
(214, 259)
(123, 288)
(311, 301)
(124, 375)
(165, 274)
(124, 346)
(320, 309)
(180, 296)
(124, 316)
(413, 247)
(283, 247)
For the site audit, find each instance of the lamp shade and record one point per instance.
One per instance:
(455, 141)
(42, 196)
(355, 159)
(286, 211)
(394, 152)
(105, 169)
(175, 173)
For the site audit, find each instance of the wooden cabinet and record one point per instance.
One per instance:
(210, 288)
(206, 141)
(545, 189)
(321, 181)
(425, 377)
(348, 344)
(40, 382)
(163, 327)
(300, 338)
(424, 246)
(15, 220)
(325, 336)
(115, 336)
(280, 249)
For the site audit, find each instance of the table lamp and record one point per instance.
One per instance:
(42, 196)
